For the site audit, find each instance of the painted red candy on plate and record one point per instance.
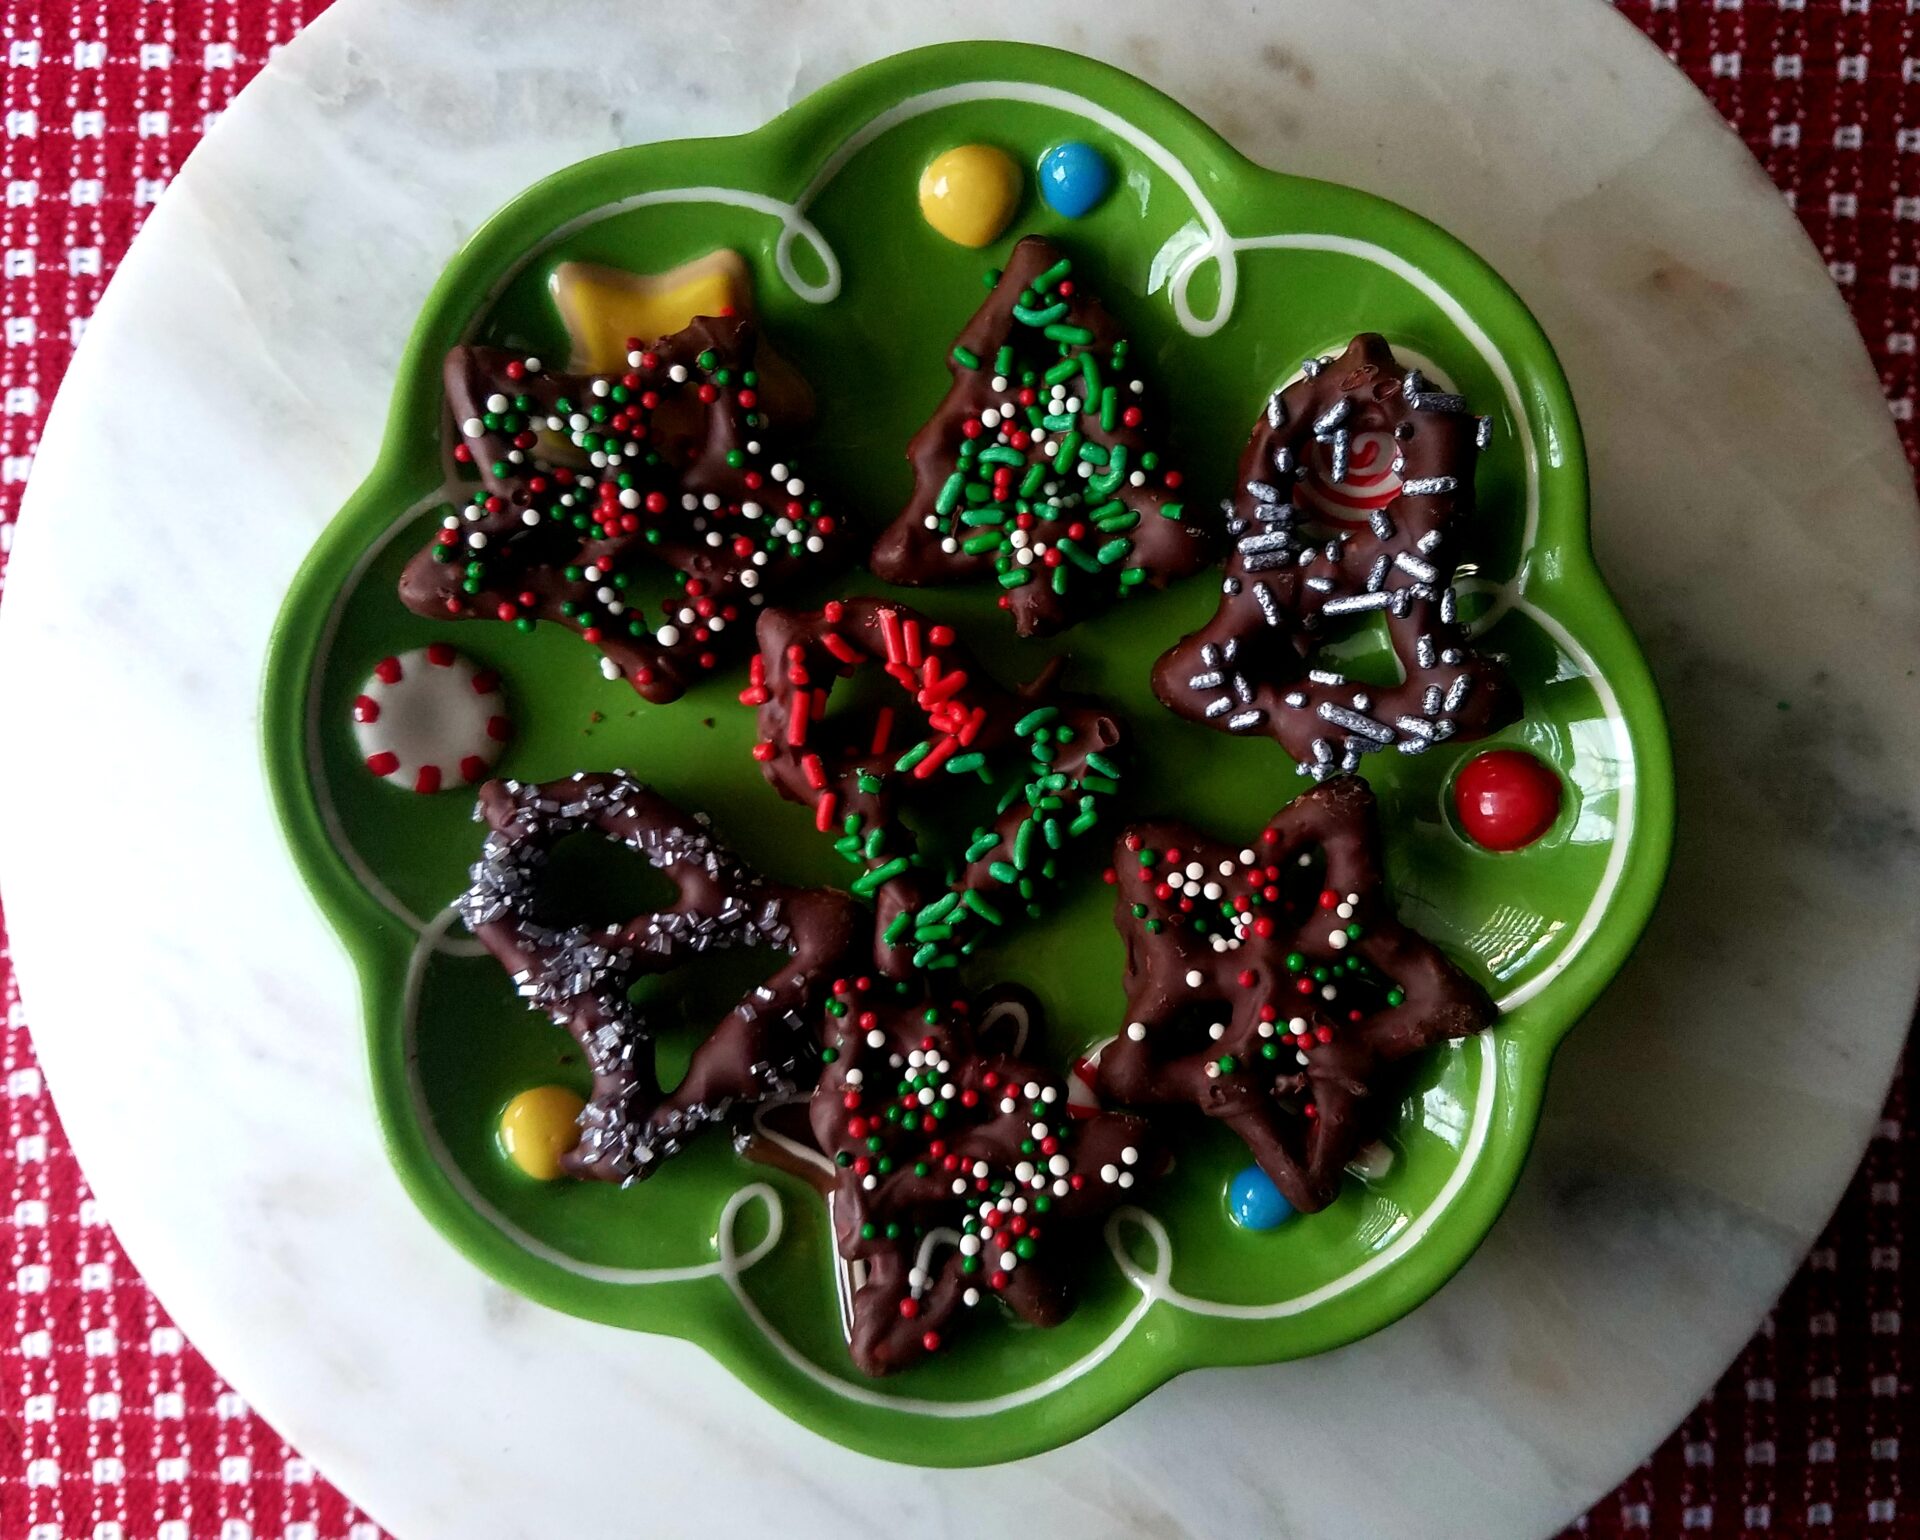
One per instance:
(1506, 799)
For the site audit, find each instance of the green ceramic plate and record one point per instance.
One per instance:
(1228, 274)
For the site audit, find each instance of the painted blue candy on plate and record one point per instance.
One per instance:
(1074, 177)
(1254, 1202)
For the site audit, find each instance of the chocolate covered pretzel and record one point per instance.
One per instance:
(1270, 986)
(588, 480)
(1050, 758)
(582, 975)
(1305, 557)
(1042, 469)
(961, 1175)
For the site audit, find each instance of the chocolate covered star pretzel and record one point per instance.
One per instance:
(582, 975)
(588, 480)
(961, 1176)
(1305, 558)
(1049, 759)
(1270, 986)
(1042, 469)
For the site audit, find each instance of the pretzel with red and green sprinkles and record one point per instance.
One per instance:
(1269, 986)
(960, 1176)
(1043, 467)
(589, 480)
(1051, 760)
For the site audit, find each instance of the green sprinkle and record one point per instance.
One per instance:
(1060, 371)
(1100, 762)
(1069, 448)
(1001, 454)
(1132, 577)
(1054, 274)
(933, 933)
(950, 493)
(1087, 819)
(1023, 845)
(989, 516)
(960, 764)
(914, 755)
(1074, 554)
(1028, 316)
(1001, 872)
(1112, 551)
(1109, 404)
(1017, 578)
(1172, 510)
(1003, 360)
(1073, 336)
(865, 887)
(935, 912)
(875, 841)
(1038, 717)
(1099, 783)
(1051, 828)
(982, 845)
(1030, 483)
(981, 907)
(973, 545)
(965, 357)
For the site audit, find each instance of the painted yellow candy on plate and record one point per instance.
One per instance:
(603, 308)
(969, 193)
(539, 1126)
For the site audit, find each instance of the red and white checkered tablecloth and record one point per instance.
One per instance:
(113, 1428)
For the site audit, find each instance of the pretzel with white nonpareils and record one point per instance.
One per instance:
(1270, 985)
(1294, 571)
(589, 480)
(962, 1174)
(581, 975)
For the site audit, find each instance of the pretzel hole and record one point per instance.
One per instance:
(682, 1006)
(1361, 647)
(591, 880)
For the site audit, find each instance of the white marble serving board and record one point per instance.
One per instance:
(199, 1022)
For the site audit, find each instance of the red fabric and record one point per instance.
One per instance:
(114, 1429)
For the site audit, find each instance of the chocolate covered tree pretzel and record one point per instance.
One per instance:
(1042, 468)
(587, 480)
(581, 975)
(961, 1177)
(1296, 569)
(1269, 986)
(1049, 759)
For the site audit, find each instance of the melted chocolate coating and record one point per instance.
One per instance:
(1290, 1071)
(849, 767)
(581, 975)
(989, 1163)
(941, 537)
(652, 469)
(1250, 669)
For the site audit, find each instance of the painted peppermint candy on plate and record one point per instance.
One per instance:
(430, 718)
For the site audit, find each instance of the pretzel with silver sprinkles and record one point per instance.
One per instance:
(1291, 574)
(1270, 986)
(581, 975)
(962, 1175)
